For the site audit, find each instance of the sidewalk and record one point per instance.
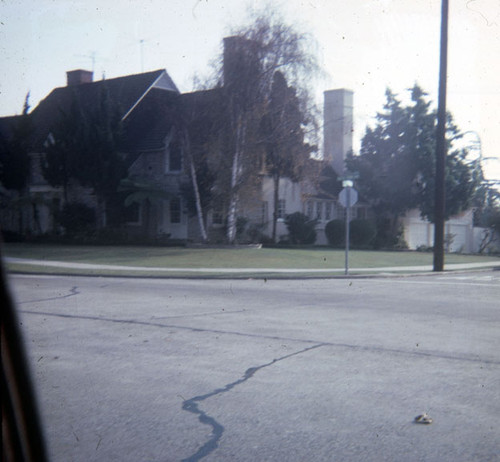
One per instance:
(289, 271)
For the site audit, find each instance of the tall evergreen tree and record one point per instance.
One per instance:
(15, 162)
(64, 146)
(14, 152)
(396, 164)
(85, 146)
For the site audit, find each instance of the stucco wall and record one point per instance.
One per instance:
(458, 232)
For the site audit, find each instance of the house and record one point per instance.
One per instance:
(148, 108)
(153, 200)
(151, 109)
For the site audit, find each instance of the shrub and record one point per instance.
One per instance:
(76, 217)
(301, 229)
(335, 233)
(362, 232)
(388, 237)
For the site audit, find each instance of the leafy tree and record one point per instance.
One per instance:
(396, 164)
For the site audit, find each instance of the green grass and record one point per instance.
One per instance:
(170, 257)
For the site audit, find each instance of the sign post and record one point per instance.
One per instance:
(347, 198)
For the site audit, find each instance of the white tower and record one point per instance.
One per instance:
(338, 127)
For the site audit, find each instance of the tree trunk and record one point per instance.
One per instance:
(236, 172)
(276, 181)
(199, 210)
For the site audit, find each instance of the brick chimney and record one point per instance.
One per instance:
(240, 59)
(338, 127)
(79, 76)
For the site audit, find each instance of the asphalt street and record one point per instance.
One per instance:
(265, 370)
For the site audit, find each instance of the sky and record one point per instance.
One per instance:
(363, 45)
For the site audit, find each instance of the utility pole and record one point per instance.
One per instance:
(347, 198)
(440, 196)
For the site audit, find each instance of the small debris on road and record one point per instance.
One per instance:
(423, 419)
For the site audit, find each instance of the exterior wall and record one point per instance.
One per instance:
(459, 229)
(156, 219)
(289, 192)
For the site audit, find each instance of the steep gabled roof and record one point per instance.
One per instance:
(149, 124)
(126, 92)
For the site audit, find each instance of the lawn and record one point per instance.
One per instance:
(187, 258)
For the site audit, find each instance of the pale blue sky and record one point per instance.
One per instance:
(364, 45)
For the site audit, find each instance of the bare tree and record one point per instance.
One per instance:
(251, 59)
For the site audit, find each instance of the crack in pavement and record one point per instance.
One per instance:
(72, 292)
(191, 405)
(350, 346)
(198, 315)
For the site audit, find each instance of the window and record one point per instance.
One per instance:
(319, 210)
(328, 210)
(263, 216)
(335, 211)
(175, 210)
(309, 211)
(281, 209)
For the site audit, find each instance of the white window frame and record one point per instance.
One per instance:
(328, 211)
(310, 209)
(319, 210)
(264, 212)
(281, 212)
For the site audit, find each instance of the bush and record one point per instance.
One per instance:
(335, 233)
(387, 237)
(76, 217)
(12, 236)
(362, 233)
(301, 229)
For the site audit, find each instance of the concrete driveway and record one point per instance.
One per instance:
(255, 370)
